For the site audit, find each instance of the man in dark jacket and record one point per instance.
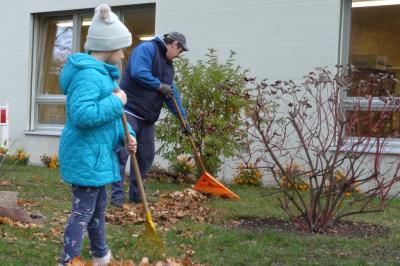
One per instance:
(148, 82)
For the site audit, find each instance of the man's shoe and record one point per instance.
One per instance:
(151, 198)
(135, 201)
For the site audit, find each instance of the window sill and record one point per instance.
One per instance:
(53, 133)
(392, 147)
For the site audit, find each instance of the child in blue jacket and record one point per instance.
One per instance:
(92, 131)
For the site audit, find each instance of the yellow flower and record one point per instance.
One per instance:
(53, 162)
(339, 176)
(247, 176)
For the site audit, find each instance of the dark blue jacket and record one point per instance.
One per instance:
(147, 68)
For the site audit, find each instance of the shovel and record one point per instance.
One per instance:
(149, 237)
(207, 184)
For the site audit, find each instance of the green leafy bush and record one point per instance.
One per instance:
(214, 94)
(183, 165)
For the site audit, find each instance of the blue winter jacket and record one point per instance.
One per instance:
(93, 127)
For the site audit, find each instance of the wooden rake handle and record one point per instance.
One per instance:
(135, 165)
(195, 150)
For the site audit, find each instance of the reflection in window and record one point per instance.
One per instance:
(58, 45)
(51, 114)
(141, 22)
(85, 23)
(369, 81)
(374, 51)
(389, 124)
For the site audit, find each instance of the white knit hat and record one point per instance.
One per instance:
(107, 32)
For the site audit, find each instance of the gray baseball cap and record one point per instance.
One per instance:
(179, 37)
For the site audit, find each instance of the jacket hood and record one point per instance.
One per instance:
(81, 61)
(163, 47)
(159, 40)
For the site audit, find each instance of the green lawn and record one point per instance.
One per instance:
(212, 244)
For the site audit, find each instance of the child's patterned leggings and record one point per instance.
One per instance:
(88, 213)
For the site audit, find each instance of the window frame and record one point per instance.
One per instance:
(39, 41)
(392, 144)
(38, 38)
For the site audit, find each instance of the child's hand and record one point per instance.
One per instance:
(132, 144)
(121, 94)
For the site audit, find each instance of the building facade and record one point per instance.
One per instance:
(275, 39)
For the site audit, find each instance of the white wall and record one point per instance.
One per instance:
(275, 39)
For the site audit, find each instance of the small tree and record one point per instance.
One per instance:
(324, 161)
(214, 95)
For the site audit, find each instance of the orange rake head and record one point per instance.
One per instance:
(209, 185)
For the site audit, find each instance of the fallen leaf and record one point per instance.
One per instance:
(56, 231)
(186, 261)
(25, 202)
(77, 261)
(144, 262)
(5, 182)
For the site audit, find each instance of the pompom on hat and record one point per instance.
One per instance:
(107, 32)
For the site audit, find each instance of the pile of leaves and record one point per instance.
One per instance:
(171, 208)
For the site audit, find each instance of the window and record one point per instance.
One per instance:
(58, 35)
(371, 45)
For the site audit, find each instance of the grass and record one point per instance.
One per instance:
(211, 244)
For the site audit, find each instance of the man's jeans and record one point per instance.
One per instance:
(145, 155)
(88, 213)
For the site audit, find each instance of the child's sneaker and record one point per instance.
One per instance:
(103, 261)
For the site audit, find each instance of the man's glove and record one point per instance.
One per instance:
(187, 130)
(166, 91)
